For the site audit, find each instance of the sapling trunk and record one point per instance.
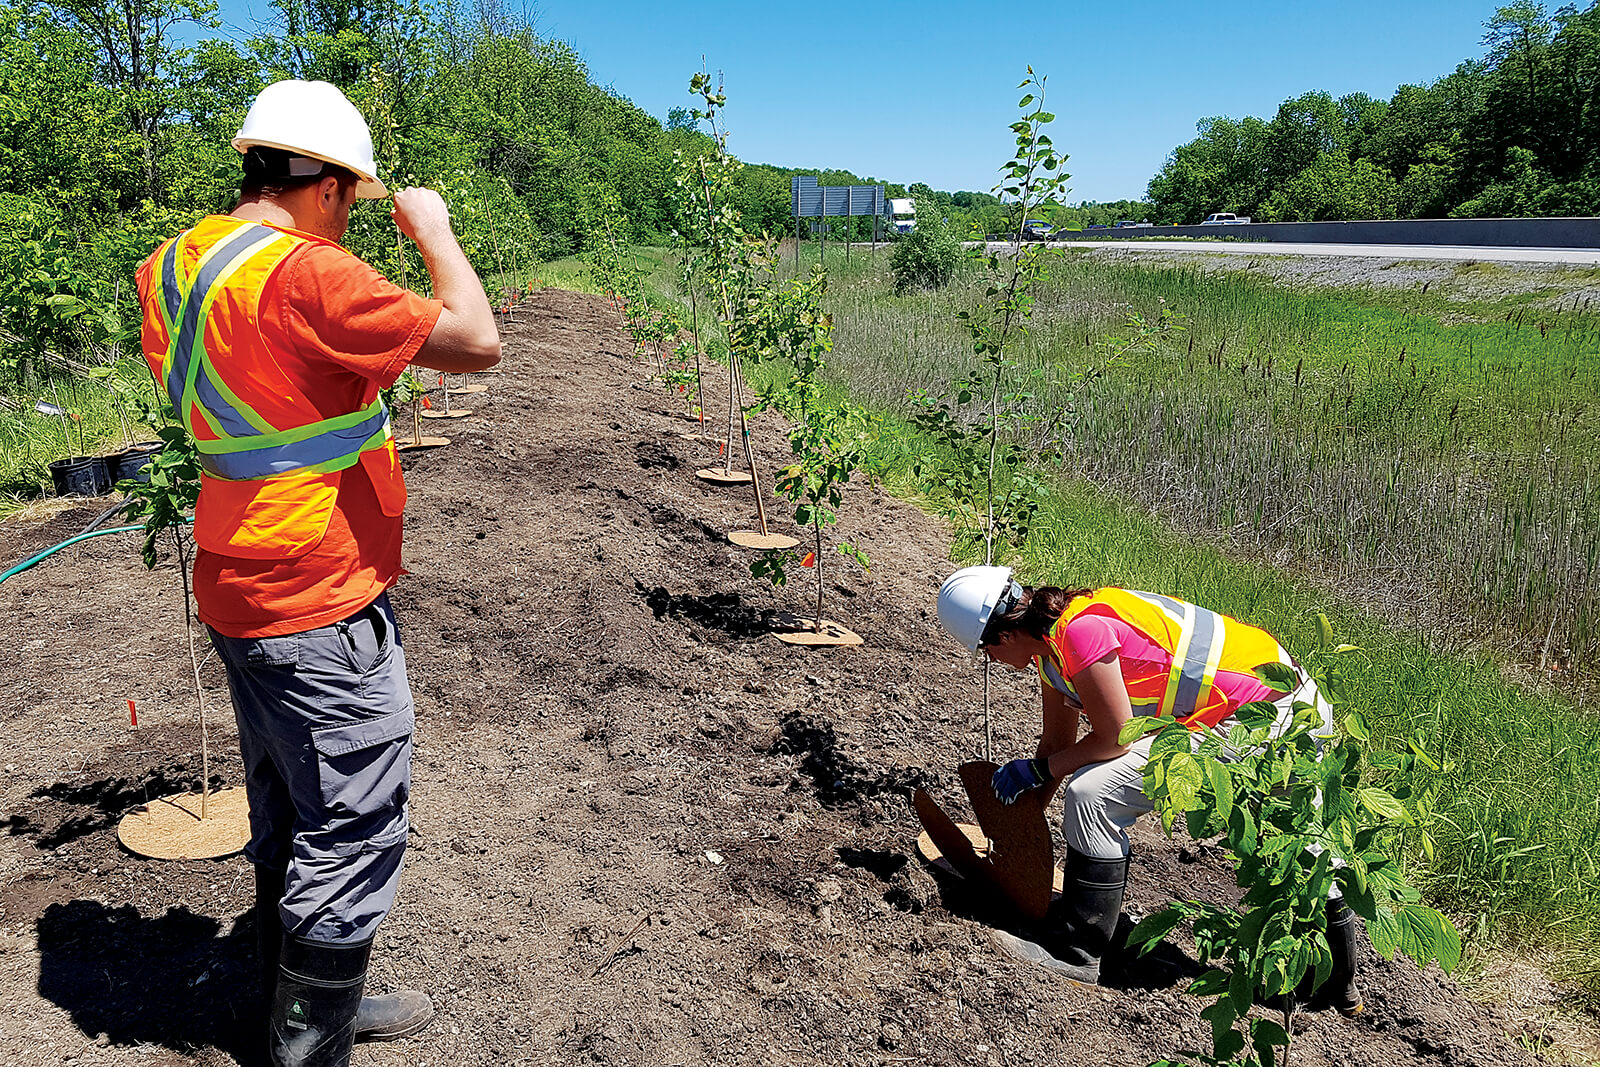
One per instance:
(694, 329)
(749, 452)
(494, 235)
(735, 376)
(816, 524)
(194, 663)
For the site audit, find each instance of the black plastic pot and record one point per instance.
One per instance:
(81, 476)
(134, 463)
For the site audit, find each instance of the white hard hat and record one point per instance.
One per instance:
(313, 119)
(969, 596)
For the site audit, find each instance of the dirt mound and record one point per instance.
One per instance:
(644, 831)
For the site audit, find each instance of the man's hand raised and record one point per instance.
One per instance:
(421, 215)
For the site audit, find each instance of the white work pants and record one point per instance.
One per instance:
(1101, 801)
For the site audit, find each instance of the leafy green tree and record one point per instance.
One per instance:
(927, 257)
(1299, 812)
(1334, 187)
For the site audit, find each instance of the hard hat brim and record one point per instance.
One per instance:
(368, 188)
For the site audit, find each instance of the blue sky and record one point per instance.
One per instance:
(925, 91)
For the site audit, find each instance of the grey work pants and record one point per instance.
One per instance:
(1102, 800)
(325, 719)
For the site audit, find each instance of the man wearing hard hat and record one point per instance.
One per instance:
(272, 343)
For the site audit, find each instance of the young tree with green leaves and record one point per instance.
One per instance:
(1301, 814)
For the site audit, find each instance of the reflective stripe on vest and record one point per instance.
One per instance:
(1194, 661)
(1197, 654)
(246, 447)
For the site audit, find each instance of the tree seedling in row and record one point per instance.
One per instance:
(164, 502)
(1299, 813)
(824, 436)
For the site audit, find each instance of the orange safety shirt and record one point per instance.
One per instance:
(337, 329)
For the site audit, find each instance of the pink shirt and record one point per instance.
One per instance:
(1091, 637)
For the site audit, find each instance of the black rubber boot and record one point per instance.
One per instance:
(381, 1018)
(1339, 992)
(1081, 923)
(393, 1015)
(313, 1021)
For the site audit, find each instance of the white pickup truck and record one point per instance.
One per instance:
(1225, 218)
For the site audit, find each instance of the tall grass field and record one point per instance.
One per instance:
(1432, 487)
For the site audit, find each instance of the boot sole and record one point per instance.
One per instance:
(1032, 952)
(394, 1034)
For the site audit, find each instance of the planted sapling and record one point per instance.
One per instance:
(1299, 811)
(824, 437)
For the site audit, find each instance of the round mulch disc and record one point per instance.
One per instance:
(458, 413)
(751, 539)
(422, 444)
(718, 476)
(795, 630)
(930, 851)
(469, 390)
(980, 844)
(171, 828)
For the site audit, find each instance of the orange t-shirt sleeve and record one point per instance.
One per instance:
(338, 308)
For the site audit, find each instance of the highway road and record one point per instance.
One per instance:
(1569, 256)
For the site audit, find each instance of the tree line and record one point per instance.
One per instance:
(1516, 133)
(116, 118)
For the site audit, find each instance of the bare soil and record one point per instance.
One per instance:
(645, 832)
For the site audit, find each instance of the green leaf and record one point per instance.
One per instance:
(1382, 804)
(1324, 633)
(1221, 787)
(1174, 737)
(1152, 928)
(1184, 779)
(1384, 929)
(1258, 714)
(1212, 983)
(1279, 677)
(1137, 727)
(1265, 1037)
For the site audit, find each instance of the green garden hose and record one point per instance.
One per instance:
(47, 553)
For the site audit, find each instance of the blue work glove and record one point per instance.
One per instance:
(1019, 776)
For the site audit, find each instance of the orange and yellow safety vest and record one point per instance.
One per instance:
(1201, 642)
(270, 462)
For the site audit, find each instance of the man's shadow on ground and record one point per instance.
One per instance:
(170, 980)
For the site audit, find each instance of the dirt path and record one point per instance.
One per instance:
(644, 831)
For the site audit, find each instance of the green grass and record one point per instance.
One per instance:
(30, 441)
(1451, 472)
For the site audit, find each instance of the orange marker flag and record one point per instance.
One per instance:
(810, 560)
(427, 405)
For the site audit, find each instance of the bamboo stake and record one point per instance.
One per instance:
(735, 375)
(694, 330)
